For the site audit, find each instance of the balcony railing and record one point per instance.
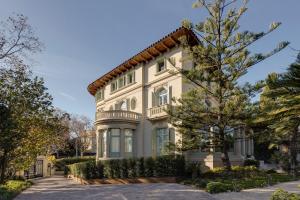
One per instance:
(117, 115)
(158, 112)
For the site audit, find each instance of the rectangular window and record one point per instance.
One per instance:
(121, 82)
(161, 65)
(114, 142)
(162, 141)
(128, 141)
(113, 86)
(99, 95)
(130, 77)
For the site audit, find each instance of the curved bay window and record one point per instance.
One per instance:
(115, 142)
(128, 141)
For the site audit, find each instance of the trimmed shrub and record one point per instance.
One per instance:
(140, 167)
(149, 167)
(251, 162)
(283, 195)
(124, 168)
(218, 187)
(193, 170)
(61, 164)
(130, 168)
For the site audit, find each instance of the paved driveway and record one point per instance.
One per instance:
(59, 188)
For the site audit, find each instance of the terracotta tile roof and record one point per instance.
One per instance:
(154, 50)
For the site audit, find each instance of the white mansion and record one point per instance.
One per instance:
(130, 101)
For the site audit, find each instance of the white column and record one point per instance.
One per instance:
(98, 145)
(122, 142)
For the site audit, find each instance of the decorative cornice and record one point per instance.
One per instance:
(153, 51)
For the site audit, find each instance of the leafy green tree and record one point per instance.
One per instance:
(216, 103)
(29, 126)
(280, 109)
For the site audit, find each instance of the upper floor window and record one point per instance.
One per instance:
(114, 86)
(130, 77)
(123, 105)
(99, 95)
(161, 66)
(162, 97)
(121, 82)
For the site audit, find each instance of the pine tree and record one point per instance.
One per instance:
(217, 103)
(280, 109)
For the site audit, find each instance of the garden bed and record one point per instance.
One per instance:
(240, 178)
(105, 181)
(12, 188)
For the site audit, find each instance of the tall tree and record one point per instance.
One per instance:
(29, 126)
(217, 103)
(79, 130)
(17, 39)
(280, 109)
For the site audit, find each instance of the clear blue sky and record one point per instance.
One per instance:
(86, 38)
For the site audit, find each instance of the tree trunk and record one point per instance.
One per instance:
(225, 156)
(76, 147)
(3, 165)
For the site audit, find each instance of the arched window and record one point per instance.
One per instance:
(123, 105)
(162, 97)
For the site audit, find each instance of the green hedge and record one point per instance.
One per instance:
(283, 195)
(130, 168)
(61, 164)
(12, 188)
(218, 187)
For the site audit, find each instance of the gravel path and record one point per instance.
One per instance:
(259, 193)
(60, 188)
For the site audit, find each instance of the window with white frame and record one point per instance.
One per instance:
(162, 97)
(121, 82)
(130, 77)
(128, 139)
(123, 105)
(99, 95)
(114, 86)
(162, 141)
(115, 142)
(161, 66)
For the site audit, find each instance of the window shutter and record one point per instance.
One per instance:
(170, 94)
(153, 99)
(133, 78)
(154, 146)
(128, 104)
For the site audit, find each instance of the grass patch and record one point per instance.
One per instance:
(12, 188)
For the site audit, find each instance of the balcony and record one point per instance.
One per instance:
(158, 112)
(117, 116)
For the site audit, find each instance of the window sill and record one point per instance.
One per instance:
(126, 86)
(161, 72)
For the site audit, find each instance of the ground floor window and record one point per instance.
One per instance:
(128, 139)
(162, 141)
(114, 142)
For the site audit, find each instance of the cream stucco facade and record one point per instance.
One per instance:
(130, 118)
